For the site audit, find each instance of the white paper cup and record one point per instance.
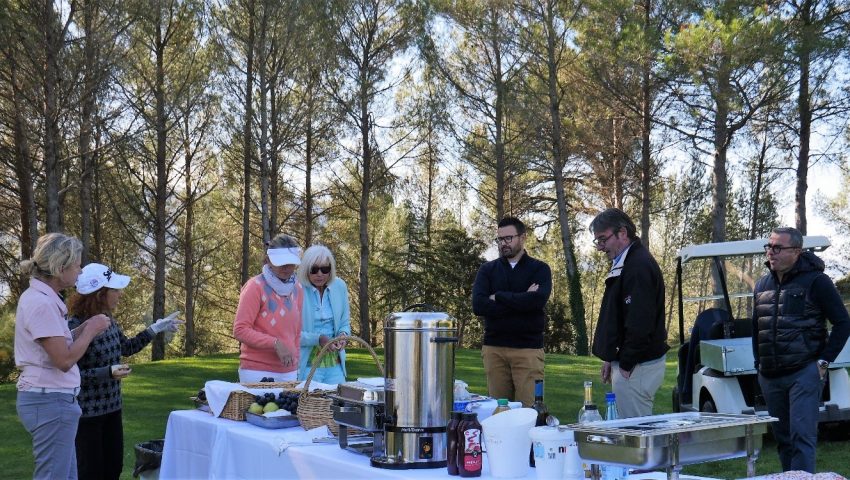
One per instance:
(507, 442)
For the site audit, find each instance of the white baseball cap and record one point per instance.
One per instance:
(284, 256)
(96, 276)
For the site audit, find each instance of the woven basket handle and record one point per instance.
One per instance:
(325, 349)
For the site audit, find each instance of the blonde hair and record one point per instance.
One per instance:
(53, 253)
(315, 255)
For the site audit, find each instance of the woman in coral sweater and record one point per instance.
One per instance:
(268, 319)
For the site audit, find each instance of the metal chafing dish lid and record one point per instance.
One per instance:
(669, 423)
(360, 392)
(419, 321)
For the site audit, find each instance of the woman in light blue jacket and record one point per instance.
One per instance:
(325, 315)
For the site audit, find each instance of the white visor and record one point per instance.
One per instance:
(284, 256)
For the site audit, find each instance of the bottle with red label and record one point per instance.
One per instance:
(469, 456)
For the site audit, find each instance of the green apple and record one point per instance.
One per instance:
(256, 408)
(270, 407)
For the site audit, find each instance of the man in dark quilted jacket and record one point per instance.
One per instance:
(791, 344)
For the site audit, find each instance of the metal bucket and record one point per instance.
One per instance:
(419, 382)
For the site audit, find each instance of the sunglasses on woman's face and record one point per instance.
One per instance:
(326, 269)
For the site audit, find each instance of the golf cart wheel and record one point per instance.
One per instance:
(708, 406)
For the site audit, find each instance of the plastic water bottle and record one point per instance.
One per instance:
(612, 472)
(501, 406)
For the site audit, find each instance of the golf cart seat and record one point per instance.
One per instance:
(707, 326)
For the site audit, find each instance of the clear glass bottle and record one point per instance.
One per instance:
(588, 400)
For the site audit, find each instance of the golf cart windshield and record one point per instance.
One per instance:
(721, 276)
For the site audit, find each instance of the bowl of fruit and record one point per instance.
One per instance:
(274, 411)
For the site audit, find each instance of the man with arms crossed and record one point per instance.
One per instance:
(510, 293)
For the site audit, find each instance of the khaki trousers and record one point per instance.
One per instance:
(511, 372)
(636, 394)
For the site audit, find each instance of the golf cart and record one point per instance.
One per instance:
(716, 365)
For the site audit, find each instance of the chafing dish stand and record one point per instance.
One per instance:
(671, 441)
(360, 407)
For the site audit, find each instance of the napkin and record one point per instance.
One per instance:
(317, 386)
(292, 437)
(218, 391)
(372, 381)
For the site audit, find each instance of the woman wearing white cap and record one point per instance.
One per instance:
(100, 435)
(46, 352)
(268, 318)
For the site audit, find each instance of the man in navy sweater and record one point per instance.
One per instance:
(510, 293)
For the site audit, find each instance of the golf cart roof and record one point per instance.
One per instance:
(742, 247)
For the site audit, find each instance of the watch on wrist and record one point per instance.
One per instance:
(823, 363)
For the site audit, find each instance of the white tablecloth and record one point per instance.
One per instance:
(197, 445)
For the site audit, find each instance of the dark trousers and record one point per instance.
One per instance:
(100, 447)
(795, 400)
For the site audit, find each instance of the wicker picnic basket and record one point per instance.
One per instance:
(239, 400)
(314, 408)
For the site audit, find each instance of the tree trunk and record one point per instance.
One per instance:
(52, 48)
(23, 169)
(87, 165)
(501, 164)
(308, 176)
(804, 108)
(248, 146)
(160, 196)
(274, 159)
(559, 159)
(190, 340)
(263, 77)
(721, 143)
(619, 165)
(757, 189)
(366, 188)
(645, 131)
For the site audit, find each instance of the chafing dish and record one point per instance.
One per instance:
(673, 440)
(359, 406)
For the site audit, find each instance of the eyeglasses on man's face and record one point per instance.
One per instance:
(601, 241)
(505, 239)
(776, 249)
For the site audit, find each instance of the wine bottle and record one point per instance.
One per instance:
(542, 413)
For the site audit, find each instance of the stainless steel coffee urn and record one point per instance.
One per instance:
(419, 381)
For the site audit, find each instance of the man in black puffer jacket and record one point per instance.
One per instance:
(791, 344)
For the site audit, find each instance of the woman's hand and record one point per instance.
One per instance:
(284, 354)
(323, 340)
(340, 344)
(96, 324)
(119, 371)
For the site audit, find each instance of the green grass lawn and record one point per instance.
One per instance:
(155, 389)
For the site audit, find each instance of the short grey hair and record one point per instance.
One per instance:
(53, 253)
(615, 219)
(282, 240)
(795, 236)
(316, 255)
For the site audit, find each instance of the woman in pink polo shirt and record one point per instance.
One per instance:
(46, 352)
(268, 319)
